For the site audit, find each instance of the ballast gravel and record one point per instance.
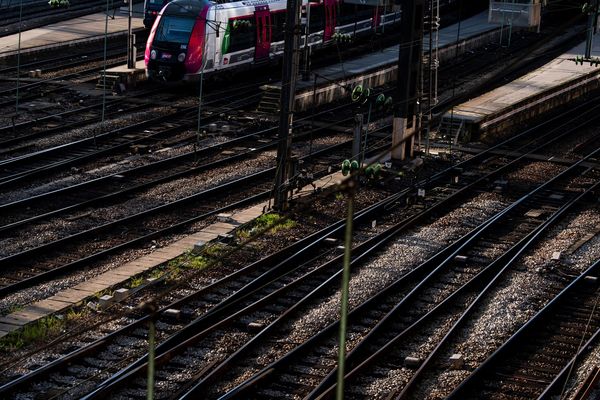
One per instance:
(521, 293)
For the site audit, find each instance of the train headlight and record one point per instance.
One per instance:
(181, 57)
(153, 55)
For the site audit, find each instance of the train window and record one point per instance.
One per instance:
(242, 34)
(174, 29)
(317, 19)
(278, 22)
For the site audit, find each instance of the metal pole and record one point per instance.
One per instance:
(151, 356)
(409, 63)
(197, 144)
(512, 16)
(364, 152)
(357, 142)
(130, 41)
(104, 70)
(288, 95)
(590, 32)
(345, 292)
(19, 57)
(306, 71)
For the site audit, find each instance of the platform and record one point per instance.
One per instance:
(127, 77)
(500, 111)
(376, 69)
(77, 30)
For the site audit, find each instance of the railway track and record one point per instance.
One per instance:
(23, 168)
(208, 302)
(441, 176)
(66, 254)
(72, 58)
(209, 377)
(406, 303)
(536, 360)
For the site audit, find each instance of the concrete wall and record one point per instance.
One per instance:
(502, 125)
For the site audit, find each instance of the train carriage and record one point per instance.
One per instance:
(190, 37)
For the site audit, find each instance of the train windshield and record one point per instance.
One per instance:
(174, 29)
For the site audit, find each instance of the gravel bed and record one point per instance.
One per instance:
(407, 251)
(519, 296)
(43, 105)
(266, 244)
(60, 227)
(392, 376)
(533, 174)
(45, 290)
(88, 131)
(103, 168)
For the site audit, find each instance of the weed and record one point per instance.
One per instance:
(36, 331)
(272, 223)
(135, 282)
(197, 262)
(214, 250)
(157, 273)
(15, 308)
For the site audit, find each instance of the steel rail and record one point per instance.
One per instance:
(252, 180)
(497, 269)
(261, 273)
(462, 390)
(433, 267)
(108, 143)
(326, 382)
(468, 162)
(407, 389)
(175, 162)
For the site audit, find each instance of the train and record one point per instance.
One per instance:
(190, 38)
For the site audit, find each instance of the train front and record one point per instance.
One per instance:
(176, 42)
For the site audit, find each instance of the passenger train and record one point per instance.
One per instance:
(190, 37)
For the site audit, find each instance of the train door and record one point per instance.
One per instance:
(263, 32)
(330, 11)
